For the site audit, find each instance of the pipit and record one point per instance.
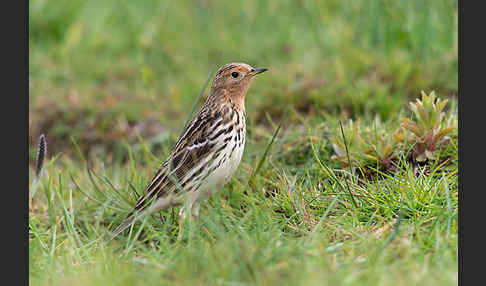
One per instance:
(208, 151)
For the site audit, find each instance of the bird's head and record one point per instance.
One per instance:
(232, 81)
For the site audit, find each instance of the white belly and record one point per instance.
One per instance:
(228, 167)
(220, 176)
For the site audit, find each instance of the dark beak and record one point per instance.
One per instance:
(257, 71)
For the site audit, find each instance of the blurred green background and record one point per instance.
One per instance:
(102, 71)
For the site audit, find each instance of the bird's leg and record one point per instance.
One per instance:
(195, 210)
(179, 233)
(190, 207)
(180, 219)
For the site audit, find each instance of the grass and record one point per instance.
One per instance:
(249, 236)
(341, 181)
(292, 225)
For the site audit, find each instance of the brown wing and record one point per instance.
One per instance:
(194, 145)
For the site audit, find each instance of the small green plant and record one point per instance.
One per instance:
(427, 131)
(370, 146)
(379, 146)
(382, 146)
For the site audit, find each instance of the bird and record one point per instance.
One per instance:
(208, 151)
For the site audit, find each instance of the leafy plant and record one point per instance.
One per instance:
(369, 146)
(382, 147)
(427, 131)
(379, 146)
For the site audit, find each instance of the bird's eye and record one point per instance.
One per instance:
(235, 74)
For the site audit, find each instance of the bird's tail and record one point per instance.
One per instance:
(131, 218)
(140, 212)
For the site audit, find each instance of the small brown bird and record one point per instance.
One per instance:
(208, 151)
